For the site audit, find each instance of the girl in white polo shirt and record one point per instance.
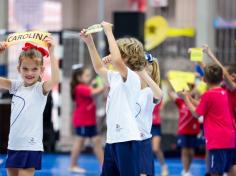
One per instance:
(25, 144)
(149, 96)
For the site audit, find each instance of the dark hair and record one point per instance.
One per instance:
(32, 54)
(213, 74)
(232, 69)
(74, 80)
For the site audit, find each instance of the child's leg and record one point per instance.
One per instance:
(12, 171)
(98, 149)
(26, 172)
(191, 156)
(156, 141)
(185, 158)
(233, 171)
(207, 162)
(77, 146)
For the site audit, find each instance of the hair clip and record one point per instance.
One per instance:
(149, 57)
(31, 46)
(77, 66)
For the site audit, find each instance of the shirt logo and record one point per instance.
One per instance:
(118, 128)
(32, 141)
(142, 135)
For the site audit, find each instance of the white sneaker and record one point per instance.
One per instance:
(187, 174)
(77, 170)
(164, 170)
(183, 173)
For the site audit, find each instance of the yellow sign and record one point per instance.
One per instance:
(196, 54)
(157, 29)
(179, 84)
(36, 37)
(188, 77)
(202, 87)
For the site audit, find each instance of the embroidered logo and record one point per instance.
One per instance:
(32, 141)
(118, 128)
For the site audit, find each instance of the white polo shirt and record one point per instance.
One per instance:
(120, 108)
(26, 126)
(144, 107)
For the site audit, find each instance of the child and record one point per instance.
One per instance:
(156, 138)
(84, 116)
(230, 87)
(127, 55)
(148, 103)
(188, 128)
(218, 121)
(29, 98)
(156, 121)
(150, 95)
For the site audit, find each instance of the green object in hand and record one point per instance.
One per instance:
(99, 81)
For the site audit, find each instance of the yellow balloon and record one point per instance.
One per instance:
(155, 31)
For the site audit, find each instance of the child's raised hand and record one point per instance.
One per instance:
(106, 60)
(3, 46)
(142, 73)
(106, 26)
(183, 94)
(85, 37)
(205, 48)
(51, 44)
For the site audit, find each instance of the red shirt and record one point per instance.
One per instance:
(232, 101)
(156, 114)
(187, 124)
(218, 121)
(85, 107)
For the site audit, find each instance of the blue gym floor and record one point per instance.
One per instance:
(57, 165)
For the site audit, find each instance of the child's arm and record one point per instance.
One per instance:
(98, 66)
(4, 83)
(193, 101)
(106, 60)
(116, 59)
(186, 97)
(97, 90)
(227, 78)
(172, 95)
(157, 92)
(55, 72)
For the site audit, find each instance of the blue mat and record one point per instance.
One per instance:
(57, 165)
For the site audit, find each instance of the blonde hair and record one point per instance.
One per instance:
(155, 73)
(33, 54)
(132, 50)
